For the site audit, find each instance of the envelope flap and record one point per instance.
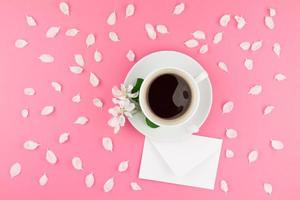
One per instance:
(184, 155)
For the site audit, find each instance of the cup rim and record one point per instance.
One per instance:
(145, 108)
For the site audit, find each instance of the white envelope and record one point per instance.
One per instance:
(191, 162)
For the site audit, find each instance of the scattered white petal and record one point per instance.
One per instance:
(82, 120)
(241, 22)
(255, 90)
(63, 138)
(56, 86)
(231, 133)
(256, 45)
(108, 185)
(71, 32)
(229, 153)
(268, 188)
(112, 18)
(224, 186)
(218, 37)
(268, 110)
(77, 163)
(224, 20)
(252, 156)
(130, 55)
(227, 107)
(47, 110)
(94, 80)
(248, 63)
(107, 143)
(29, 91)
(272, 12)
(97, 102)
(76, 98)
(113, 36)
(30, 21)
(79, 59)
(203, 49)
(46, 58)
(43, 180)
(25, 113)
(277, 144)
(15, 170)
(123, 166)
(277, 48)
(279, 77)
(64, 8)
(51, 157)
(191, 43)
(269, 22)
(20, 43)
(223, 66)
(97, 56)
(130, 9)
(30, 145)
(135, 186)
(89, 180)
(160, 28)
(179, 8)
(150, 31)
(245, 45)
(90, 40)
(199, 35)
(76, 69)
(52, 31)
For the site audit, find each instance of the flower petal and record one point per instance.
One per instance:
(47, 110)
(112, 18)
(15, 170)
(52, 31)
(21, 43)
(43, 180)
(150, 31)
(108, 185)
(255, 90)
(89, 180)
(94, 80)
(51, 157)
(64, 8)
(277, 144)
(130, 9)
(77, 163)
(179, 8)
(218, 38)
(82, 120)
(252, 156)
(224, 20)
(107, 143)
(228, 107)
(90, 40)
(30, 145)
(123, 166)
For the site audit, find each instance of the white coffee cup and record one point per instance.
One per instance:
(193, 85)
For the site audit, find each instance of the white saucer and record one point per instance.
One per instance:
(170, 59)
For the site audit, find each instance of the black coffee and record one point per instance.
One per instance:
(169, 96)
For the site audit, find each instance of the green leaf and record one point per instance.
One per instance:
(137, 88)
(150, 124)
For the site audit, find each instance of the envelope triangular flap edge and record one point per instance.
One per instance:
(183, 156)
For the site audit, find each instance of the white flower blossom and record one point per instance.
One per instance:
(124, 92)
(123, 106)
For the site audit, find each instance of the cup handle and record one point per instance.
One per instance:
(201, 77)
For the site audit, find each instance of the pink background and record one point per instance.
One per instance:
(20, 68)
